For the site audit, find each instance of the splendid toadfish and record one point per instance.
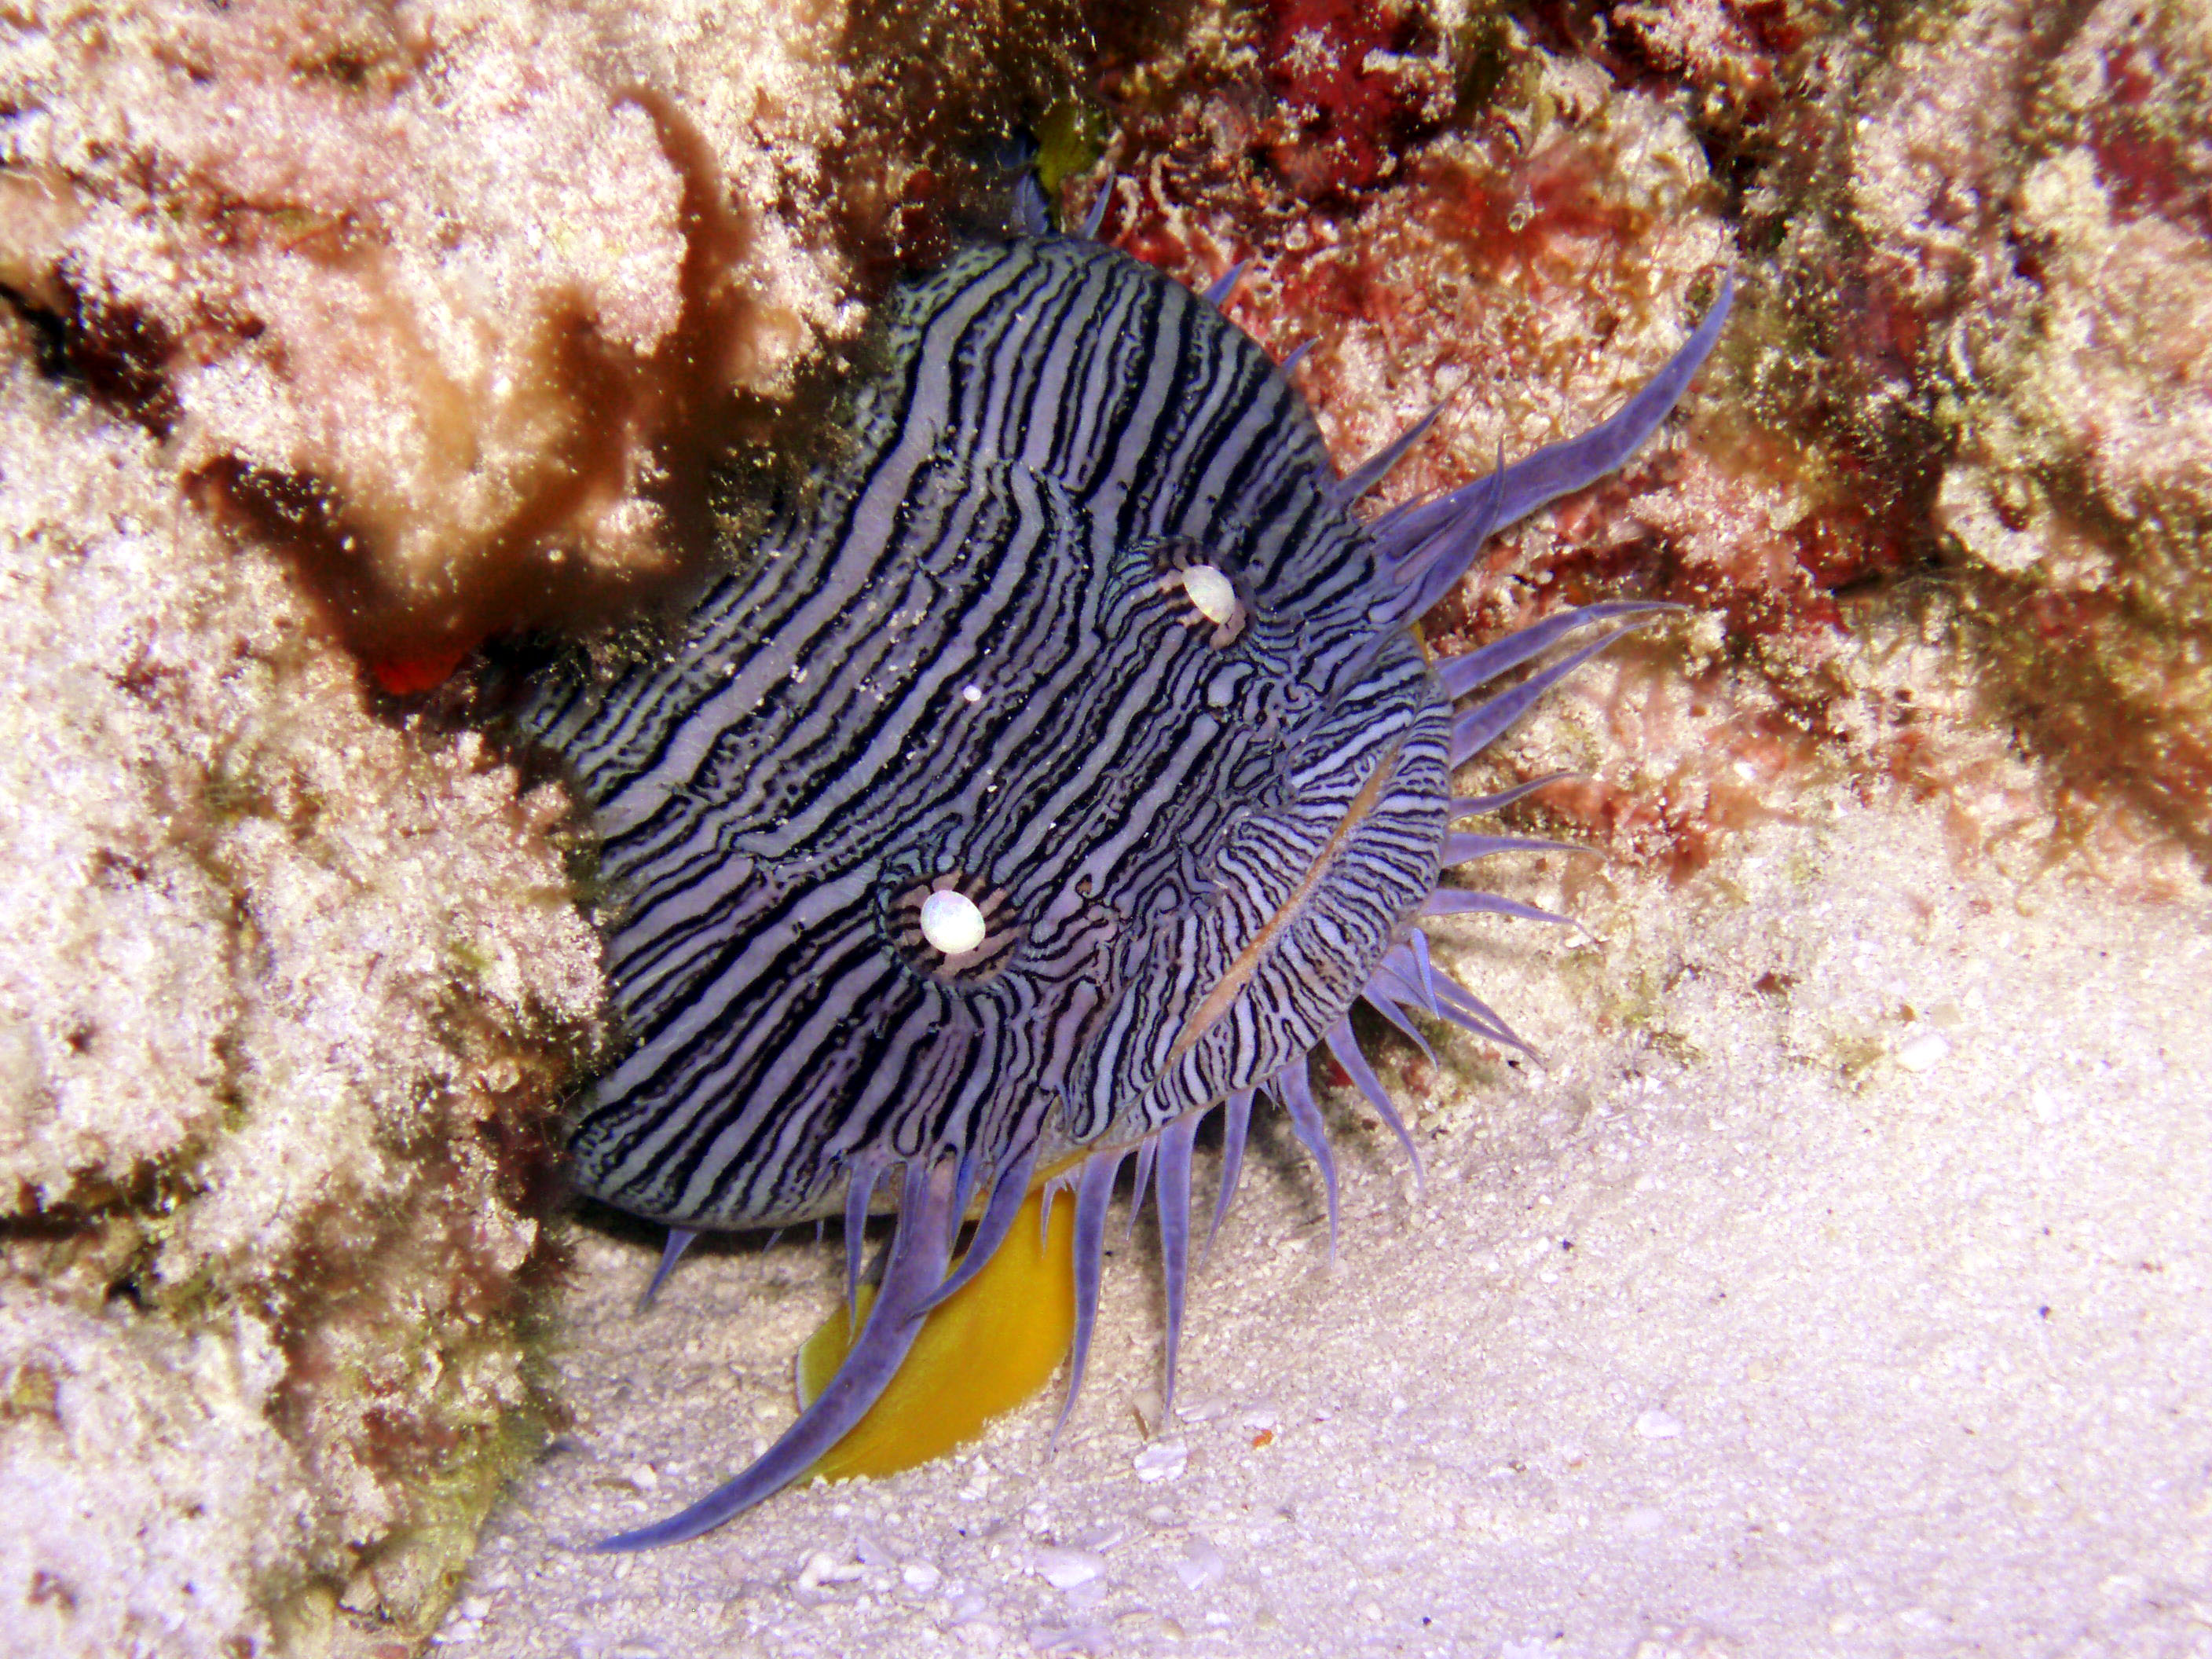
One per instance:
(1059, 766)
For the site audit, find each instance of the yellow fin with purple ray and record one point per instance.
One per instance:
(984, 1350)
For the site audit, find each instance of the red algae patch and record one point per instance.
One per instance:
(1956, 407)
(1997, 236)
(2081, 390)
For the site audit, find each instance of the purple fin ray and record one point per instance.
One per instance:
(861, 1182)
(1469, 1013)
(1032, 215)
(671, 1252)
(1399, 976)
(1476, 669)
(1218, 290)
(1171, 1197)
(1010, 1189)
(1475, 730)
(1296, 356)
(963, 1183)
(1462, 900)
(1381, 525)
(1296, 1090)
(1404, 975)
(1094, 1191)
(1383, 1004)
(1236, 1130)
(1344, 1044)
(1392, 981)
(1432, 547)
(1416, 946)
(1148, 1150)
(1472, 806)
(914, 1270)
(1433, 544)
(1561, 468)
(1463, 847)
(1376, 467)
(1097, 216)
(1064, 1181)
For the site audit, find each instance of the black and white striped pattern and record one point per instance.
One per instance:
(956, 656)
(971, 660)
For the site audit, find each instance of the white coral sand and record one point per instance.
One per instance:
(1844, 1288)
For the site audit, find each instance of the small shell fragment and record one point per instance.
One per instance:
(1924, 1052)
(1202, 1563)
(920, 1576)
(1064, 1568)
(1162, 1461)
(823, 1568)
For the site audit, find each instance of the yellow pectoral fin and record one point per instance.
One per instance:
(984, 1350)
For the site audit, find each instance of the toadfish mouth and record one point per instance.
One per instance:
(1267, 948)
(1234, 983)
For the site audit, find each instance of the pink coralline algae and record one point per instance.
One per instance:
(1972, 250)
(1347, 105)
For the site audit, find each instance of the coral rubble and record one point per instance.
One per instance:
(281, 998)
(419, 287)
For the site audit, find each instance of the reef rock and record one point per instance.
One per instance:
(283, 991)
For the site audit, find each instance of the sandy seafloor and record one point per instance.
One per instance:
(1868, 1312)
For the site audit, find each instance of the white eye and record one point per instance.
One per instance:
(1211, 592)
(950, 922)
(957, 930)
